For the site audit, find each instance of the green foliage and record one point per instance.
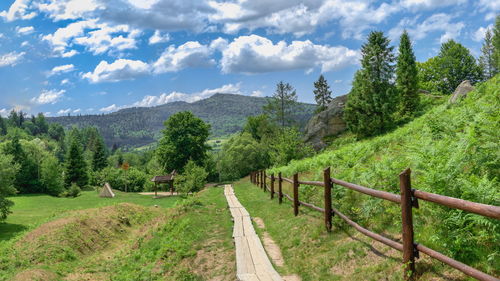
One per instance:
(259, 126)
(287, 145)
(453, 64)
(3, 127)
(184, 139)
(372, 100)
(487, 59)
(99, 160)
(27, 176)
(406, 77)
(241, 155)
(73, 191)
(282, 106)
(322, 93)
(132, 180)
(193, 179)
(51, 176)
(496, 43)
(76, 167)
(7, 179)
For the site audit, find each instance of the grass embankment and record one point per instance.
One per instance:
(453, 150)
(313, 254)
(191, 241)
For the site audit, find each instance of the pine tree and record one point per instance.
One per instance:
(3, 127)
(496, 43)
(99, 160)
(322, 93)
(406, 77)
(371, 102)
(76, 167)
(283, 104)
(486, 61)
(14, 118)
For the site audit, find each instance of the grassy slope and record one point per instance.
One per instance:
(452, 149)
(313, 254)
(31, 210)
(191, 241)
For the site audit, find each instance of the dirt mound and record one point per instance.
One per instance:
(81, 233)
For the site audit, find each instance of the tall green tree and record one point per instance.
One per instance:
(14, 119)
(372, 100)
(76, 167)
(282, 106)
(3, 126)
(496, 43)
(27, 177)
(99, 159)
(322, 93)
(41, 124)
(487, 60)
(184, 138)
(406, 77)
(259, 126)
(7, 179)
(52, 176)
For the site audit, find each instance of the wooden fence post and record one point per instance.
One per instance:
(264, 179)
(280, 191)
(272, 186)
(328, 199)
(296, 194)
(407, 223)
(261, 178)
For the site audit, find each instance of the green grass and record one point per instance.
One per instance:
(31, 210)
(314, 254)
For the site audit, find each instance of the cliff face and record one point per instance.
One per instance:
(326, 123)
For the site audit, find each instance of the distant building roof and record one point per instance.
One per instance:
(163, 179)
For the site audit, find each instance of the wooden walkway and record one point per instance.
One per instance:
(252, 263)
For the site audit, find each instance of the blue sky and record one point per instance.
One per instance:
(96, 56)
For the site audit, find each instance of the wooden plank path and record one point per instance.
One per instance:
(252, 263)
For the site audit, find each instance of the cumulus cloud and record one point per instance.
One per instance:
(25, 30)
(256, 54)
(69, 9)
(48, 96)
(121, 69)
(491, 7)
(257, 93)
(62, 69)
(158, 37)
(479, 34)
(11, 59)
(110, 108)
(429, 4)
(164, 98)
(18, 10)
(189, 54)
(64, 111)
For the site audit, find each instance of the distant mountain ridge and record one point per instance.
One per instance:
(138, 126)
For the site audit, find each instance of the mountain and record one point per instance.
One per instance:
(138, 126)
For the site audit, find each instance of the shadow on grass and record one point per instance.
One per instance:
(10, 230)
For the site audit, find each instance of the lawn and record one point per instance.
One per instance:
(31, 210)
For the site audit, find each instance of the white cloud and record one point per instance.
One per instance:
(18, 10)
(11, 59)
(491, 7)
(121, 69)
(48, 96)
(478, 36)
(189, 54)
(257, 93)
(69, 9)
(110, 108)
(64, 82)
(440, 22)
(25, 30)
(77, 110)
(4, 112)
(429, 4)
(61, 38)
(62, 69)
(256, 54)
(164, 98)
(25, 43)
(64, 111)
(158, 37)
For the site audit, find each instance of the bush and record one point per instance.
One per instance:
(133, 179)
(73, 191)
(192, 180)
(51, 176)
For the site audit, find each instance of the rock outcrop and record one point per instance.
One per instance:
(461, 91)
(327, 123)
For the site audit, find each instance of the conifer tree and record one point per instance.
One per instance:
(283, 104)
(486, 61)
(371, 102)
(322, 93)
(3, 126)
(76, 167)
(496, 43)
(99, 160)
(406, 77)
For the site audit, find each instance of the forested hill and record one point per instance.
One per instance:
(139, 126)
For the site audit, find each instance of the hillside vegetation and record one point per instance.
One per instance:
(133, 127)
(452, 150)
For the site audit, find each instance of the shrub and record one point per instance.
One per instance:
(192, 180)
(73, 191)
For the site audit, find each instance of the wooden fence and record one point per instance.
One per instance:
(407, 199)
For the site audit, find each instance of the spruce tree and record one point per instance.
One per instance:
(322, 93)
(496, 43)
(486, 61)
(3, 126)
(406, 77)
(283, 104)
(99, 160)
(76, 167)
(372, 100)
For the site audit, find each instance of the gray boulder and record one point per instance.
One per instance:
(327, 123)
(461, 91)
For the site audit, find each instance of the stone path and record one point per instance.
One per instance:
(252, 262)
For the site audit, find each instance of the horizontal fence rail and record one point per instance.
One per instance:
(407, 199)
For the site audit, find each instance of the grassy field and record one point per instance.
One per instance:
(344, 254)
(31, 210)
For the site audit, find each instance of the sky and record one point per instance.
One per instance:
(75, 57)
